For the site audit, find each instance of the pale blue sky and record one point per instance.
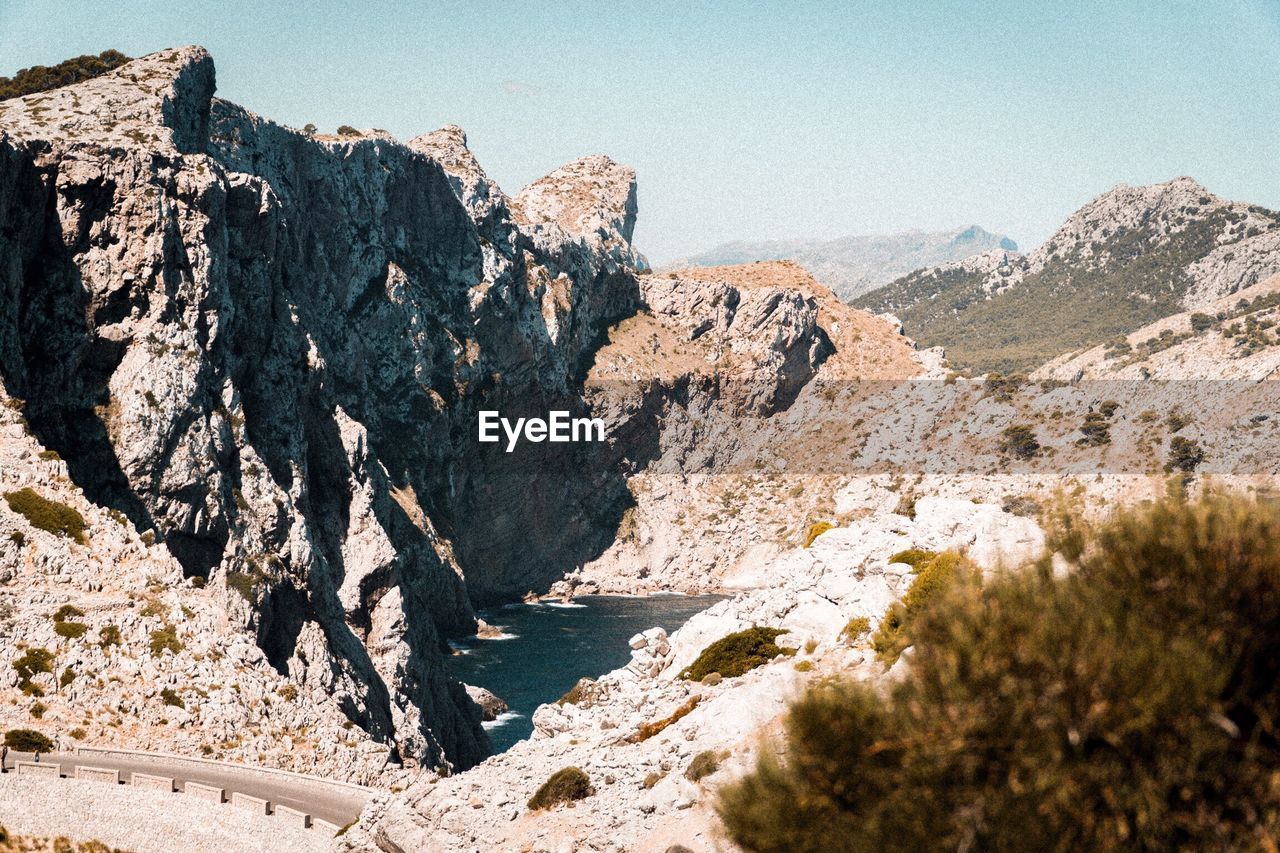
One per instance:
(758, 120)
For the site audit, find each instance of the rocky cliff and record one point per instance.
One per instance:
(259, 355)
(264, 351)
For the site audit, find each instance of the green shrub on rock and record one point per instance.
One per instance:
(29, 664)
(165, 638)
(108, 635)
(913, 557)
(1019, 441)
(41, 78)
(565, 786)
(67, 612)
(855, 628)
(27, 740)
(70, 630)
(815, 530)
(934, 575)
(1185, 455)
(578, 694)
(49, 516)
(1129, 704)
(737, 653)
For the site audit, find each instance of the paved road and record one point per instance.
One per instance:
(335, 805)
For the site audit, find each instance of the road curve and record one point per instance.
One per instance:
(337, 805)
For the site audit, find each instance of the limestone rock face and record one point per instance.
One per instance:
(265, 350)
(448, 147)
(592, 198)
(489, 704)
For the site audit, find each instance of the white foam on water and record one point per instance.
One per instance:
(503, 718)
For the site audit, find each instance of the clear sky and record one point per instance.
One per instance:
(755, 120)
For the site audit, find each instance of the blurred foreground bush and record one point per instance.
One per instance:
(1131, 704)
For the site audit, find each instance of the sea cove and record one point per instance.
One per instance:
(550, 645)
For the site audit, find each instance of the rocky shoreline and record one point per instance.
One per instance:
(643, 799)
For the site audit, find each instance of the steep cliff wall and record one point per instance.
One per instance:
(267, 350)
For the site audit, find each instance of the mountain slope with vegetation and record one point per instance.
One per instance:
(1128, 258)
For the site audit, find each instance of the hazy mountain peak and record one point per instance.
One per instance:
(854, 265)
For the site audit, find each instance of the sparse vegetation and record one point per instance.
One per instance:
(648, 730)
(737, 653)
(566, 785)
(49, 516)
(1021, 505)
(1128, 704)
(1056, 309)
(165, 638)
(170, 697)
(1019, 441)
(704, 764)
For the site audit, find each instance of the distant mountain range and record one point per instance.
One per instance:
(1130, 257)
(852, 266)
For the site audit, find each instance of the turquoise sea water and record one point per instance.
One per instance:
(552, 645)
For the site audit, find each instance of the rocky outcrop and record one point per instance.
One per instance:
(490, 705)
(265, 350)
